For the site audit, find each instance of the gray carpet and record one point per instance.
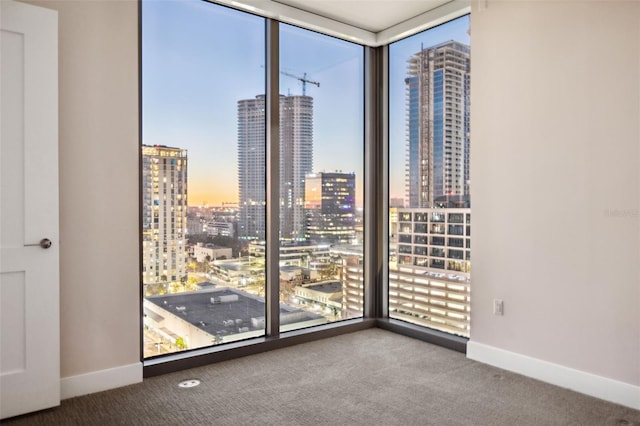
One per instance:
(371, 377)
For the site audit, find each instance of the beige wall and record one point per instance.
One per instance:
(555, 160)
(99, 272)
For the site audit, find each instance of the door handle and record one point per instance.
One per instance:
(45, 243)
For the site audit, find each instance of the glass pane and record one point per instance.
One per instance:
(203, 189)
(321, 172)
(429, 280)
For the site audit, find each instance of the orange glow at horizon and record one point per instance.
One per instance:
(200, 194)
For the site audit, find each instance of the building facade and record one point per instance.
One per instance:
(352, 279)
(303, 254)
(429, 269)
(296, 161)
(208, 252)
(326, 295)
(220, 229)
(195, 224)
(437, 89)
(330, 207)
(164, 214)
(252, 168)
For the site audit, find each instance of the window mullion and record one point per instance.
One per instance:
(383, 150)
(375, 183)
(272, 113)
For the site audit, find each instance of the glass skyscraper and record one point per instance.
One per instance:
(438, 123)
(252, 168)
(430, 244)
(296, 161)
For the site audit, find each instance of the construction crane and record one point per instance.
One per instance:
(304, 81)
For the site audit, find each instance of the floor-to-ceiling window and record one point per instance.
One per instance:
(429, 183)
(321, 177)
(237, 243)
(205, 177)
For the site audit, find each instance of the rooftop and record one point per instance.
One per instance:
(222, 311)
(205, 285)
(326, 287)
(289, 268)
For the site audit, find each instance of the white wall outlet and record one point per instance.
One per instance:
(498, 307)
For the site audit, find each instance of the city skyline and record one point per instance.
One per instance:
(184, 45)
(193, 79)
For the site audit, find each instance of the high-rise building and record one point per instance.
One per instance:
(296, 161)
(164, 214)
(251, 168)
(438, 123)
(330, 207)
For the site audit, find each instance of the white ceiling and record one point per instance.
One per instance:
(368, 22)
(370, 15)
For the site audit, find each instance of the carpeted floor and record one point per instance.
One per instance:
(371, 377)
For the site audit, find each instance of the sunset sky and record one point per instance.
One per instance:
(199, 60)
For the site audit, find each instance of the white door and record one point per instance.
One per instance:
(29, 274)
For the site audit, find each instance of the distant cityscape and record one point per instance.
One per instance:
(203, 267)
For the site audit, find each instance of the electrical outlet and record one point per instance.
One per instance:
(498, 307)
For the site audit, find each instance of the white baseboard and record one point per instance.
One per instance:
(98, 381)
(579, 381)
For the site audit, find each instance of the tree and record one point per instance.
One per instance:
(329, 271)
(180, 343)
(156, 289)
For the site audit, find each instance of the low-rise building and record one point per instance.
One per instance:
(220, 229)
(306, 255)
(207, 252)
(291, 273)
(221, 315)
(239, 272)
(325, 295)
